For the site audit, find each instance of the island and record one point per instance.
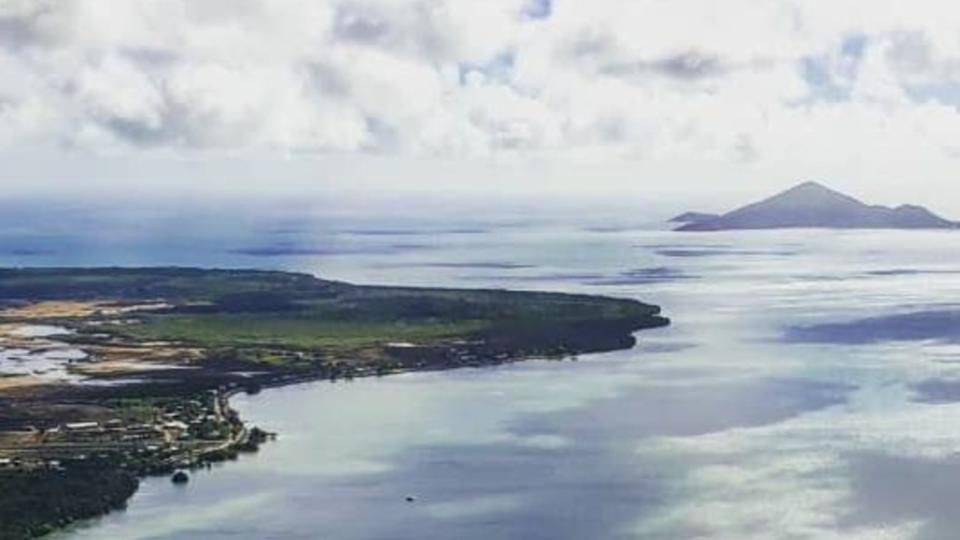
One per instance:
(691, 217)
(812, 204)
(111, 374)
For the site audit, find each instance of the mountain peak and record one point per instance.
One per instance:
(813, 191)
(812, 204)
(812, 187)
(809, 185)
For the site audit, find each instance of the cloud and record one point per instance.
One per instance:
(737, 82)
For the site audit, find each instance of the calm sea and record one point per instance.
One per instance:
(808, 388)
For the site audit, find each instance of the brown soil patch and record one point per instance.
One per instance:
(52, 310)
(112, 360)
(19, 381)
(68, 309)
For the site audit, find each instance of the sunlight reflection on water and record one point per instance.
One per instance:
(716, 427)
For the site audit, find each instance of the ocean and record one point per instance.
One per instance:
(809, 387)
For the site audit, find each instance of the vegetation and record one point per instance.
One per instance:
(270, 311)
(170, 283)
(288, 326)
(241, 330)
(35, 502)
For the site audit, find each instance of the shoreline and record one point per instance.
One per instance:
(249, 437)
(162, 351)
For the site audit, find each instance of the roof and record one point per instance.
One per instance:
(82, 425)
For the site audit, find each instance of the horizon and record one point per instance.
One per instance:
(374, 202)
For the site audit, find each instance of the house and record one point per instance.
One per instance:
(81, 426)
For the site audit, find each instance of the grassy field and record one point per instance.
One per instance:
(242, 330)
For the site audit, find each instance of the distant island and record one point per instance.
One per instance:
(811, 204)
(163, 349)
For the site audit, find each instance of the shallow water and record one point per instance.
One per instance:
(49, 363)
(786, 401)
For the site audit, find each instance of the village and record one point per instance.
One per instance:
(155, 437)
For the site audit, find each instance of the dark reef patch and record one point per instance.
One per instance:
(938, 325)
(910, 272)
(30, 252)
(692, 410)
(720, 252)
(415, 232)
(466, 265)
(937, 391)
(643, 276)
(484, 265)
(288, 250)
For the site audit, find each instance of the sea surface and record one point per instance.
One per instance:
(809, 387)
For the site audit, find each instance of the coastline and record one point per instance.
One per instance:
(139, 364)
(248, 438)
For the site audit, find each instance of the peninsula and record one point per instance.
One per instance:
(110, 374)
(811, 204)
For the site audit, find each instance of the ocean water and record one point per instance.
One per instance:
(809, 387)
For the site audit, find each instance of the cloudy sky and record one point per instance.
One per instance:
(661, 98)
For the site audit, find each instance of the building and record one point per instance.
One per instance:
(82, 426)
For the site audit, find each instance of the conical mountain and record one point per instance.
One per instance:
(811, 204)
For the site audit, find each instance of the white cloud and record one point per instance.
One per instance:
(737, 81)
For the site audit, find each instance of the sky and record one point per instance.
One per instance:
(658, 103)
